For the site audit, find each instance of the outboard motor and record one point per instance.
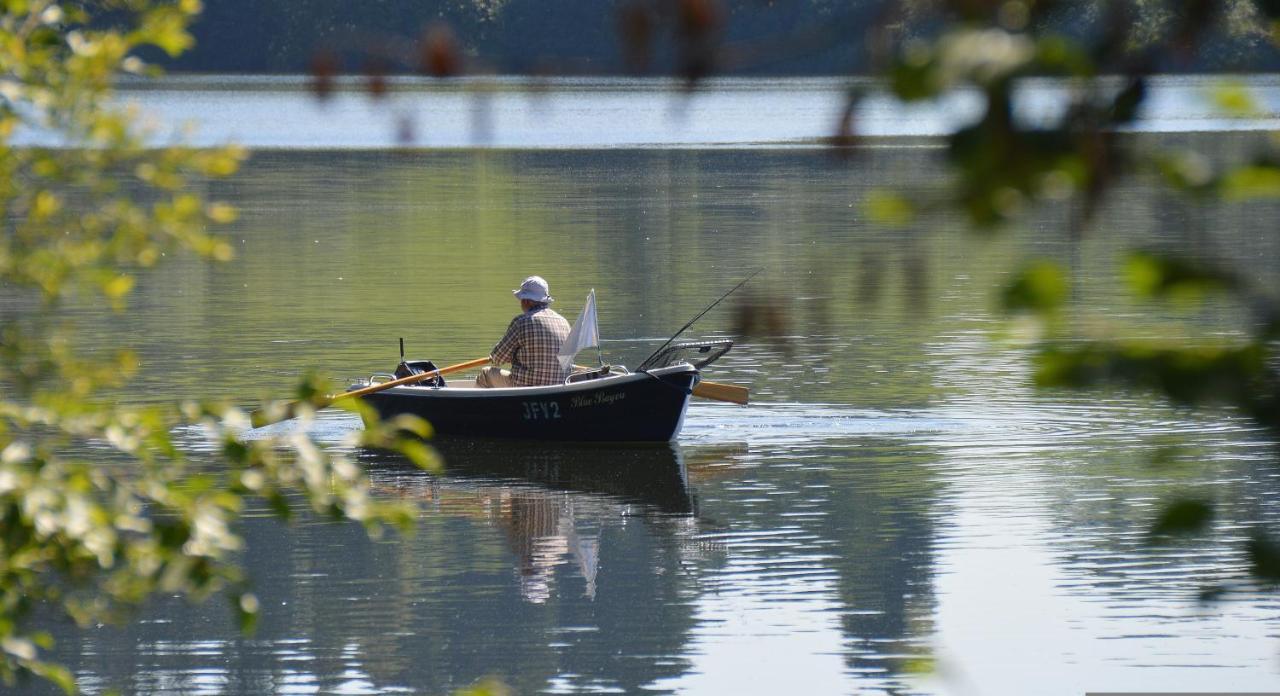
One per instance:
(417, 367)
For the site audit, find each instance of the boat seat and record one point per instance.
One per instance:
(588, 375)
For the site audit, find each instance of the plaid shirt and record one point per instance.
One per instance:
(530, 345)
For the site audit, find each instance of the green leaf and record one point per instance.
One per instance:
(235, 451)
(313, 388)
(1252, 182)
(1152, 275)
(1234, 99)
(1191, 376)
(887, 208)
(222, 213)
(246, 608)
(1040, 287)
(420, 454)
(489, 686)
(914, 79)
(166, 28)
(368, 414)
(59, 675)
(411, 424)
(1189, 172)
(1186, 516)
(279, 504)
(1057, 54)
(43, 639)
(921, 665)
(116, 287)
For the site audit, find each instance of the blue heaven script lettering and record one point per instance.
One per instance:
(597, 399)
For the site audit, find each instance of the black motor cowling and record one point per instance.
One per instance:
(417, 367)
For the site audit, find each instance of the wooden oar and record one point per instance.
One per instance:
(719, 391)
(260, 418)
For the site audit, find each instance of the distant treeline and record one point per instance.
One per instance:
(589, 37)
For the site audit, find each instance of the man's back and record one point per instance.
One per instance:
(531, 344)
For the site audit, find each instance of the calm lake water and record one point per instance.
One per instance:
(898, 512)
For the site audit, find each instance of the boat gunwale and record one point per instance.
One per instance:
(620, 380)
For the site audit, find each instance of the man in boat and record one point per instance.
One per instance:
(531, 343)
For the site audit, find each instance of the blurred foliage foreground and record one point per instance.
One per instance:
(90, 538)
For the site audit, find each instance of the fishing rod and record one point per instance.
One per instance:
(696, 318)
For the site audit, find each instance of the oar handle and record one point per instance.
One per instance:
(259, 417)
(411, 379)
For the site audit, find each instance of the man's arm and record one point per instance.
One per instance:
(505, 350)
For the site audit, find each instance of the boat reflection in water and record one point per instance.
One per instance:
(551, 502)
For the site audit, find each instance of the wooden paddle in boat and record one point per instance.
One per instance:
(260, 417)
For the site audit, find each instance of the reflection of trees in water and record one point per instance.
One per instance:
(868, 509)
(579, 534)
(639, 611)
(490, 580)
(1102, 513)
(551, 501)
(552, 576)
(303, 576)
(881, 522)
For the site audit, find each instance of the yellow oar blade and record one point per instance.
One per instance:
(721, 392)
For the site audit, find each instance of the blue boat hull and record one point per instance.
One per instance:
(640, 407)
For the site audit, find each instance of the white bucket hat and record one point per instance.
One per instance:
(534, 289)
